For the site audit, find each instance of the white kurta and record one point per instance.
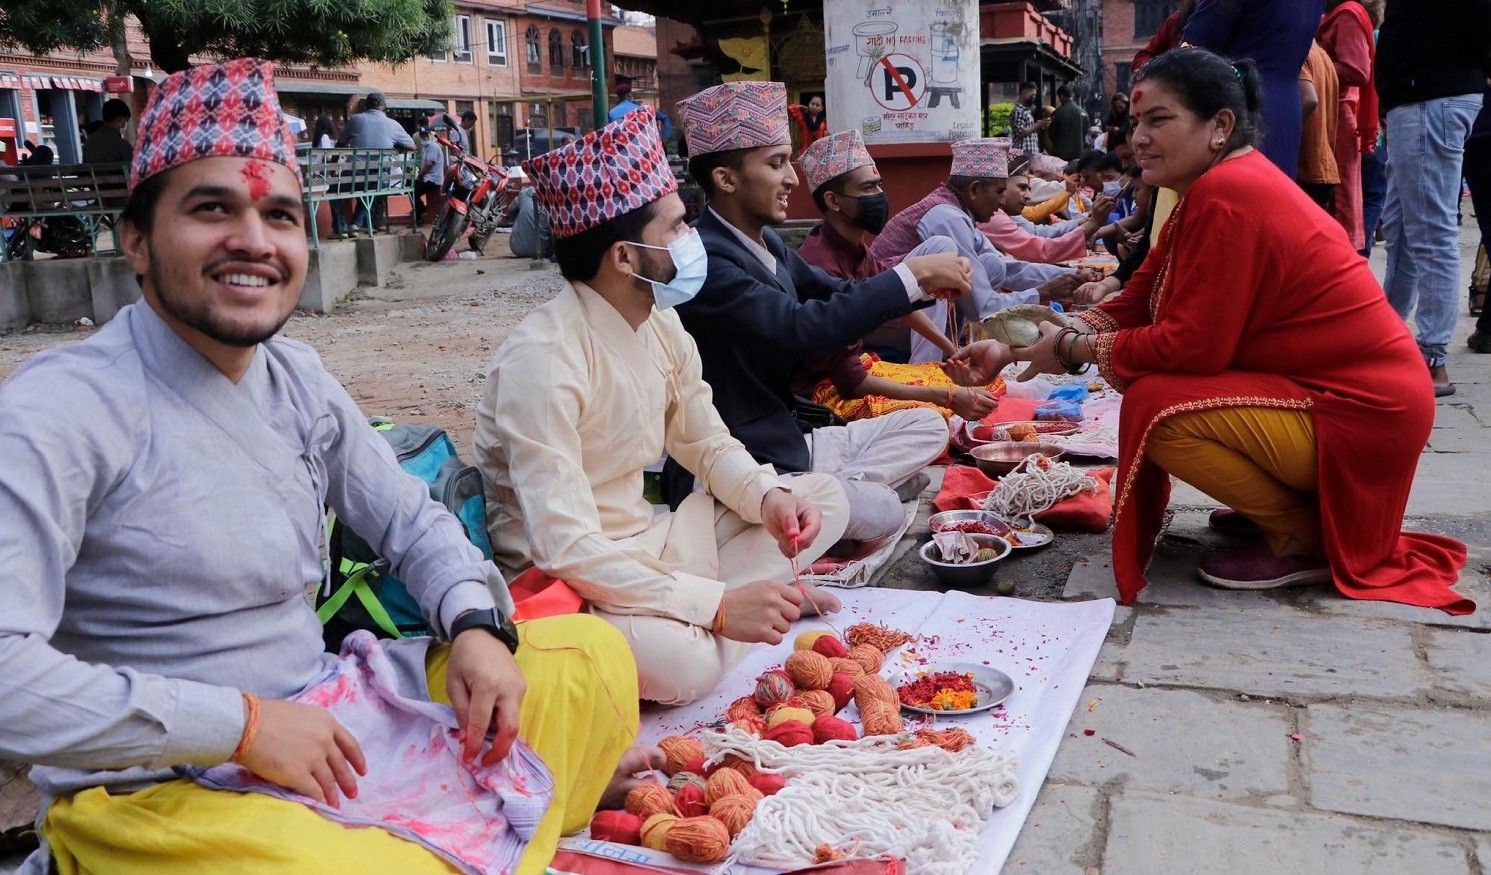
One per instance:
(577, 404)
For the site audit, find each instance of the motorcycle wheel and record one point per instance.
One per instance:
(444, 233)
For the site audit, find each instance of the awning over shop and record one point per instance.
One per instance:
(415, 103)
(39, 82)
(290, 86)
(1006, 60)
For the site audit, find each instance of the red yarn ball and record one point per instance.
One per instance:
(690, 801)
(616, 826)
(831, 647)
(833, 729)
(842, 689)
(767, 784)
(790, 733)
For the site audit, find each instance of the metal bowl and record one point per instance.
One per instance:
(971, 574)
(998, 459)
(950, 517)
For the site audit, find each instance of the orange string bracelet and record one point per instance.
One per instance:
(719, 619)
(250, 727)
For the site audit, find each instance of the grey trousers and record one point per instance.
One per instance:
(871, 457)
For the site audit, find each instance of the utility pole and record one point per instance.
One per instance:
(597, 62)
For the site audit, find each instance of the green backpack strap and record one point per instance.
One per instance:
(356, 583)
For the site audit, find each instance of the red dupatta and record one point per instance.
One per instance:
(1368, 123)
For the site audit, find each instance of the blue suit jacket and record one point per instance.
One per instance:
(753, 328)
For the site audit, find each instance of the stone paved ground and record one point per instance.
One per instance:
(1236, 733)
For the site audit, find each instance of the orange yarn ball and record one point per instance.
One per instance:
(842, 689)
(831, 647)
(874, 688)
(745, 706)
(820, 702)
(698, 840)
(833, 729)
(734, 811)
(806, 640)
(690, 801)
(809, 670)
(881, 719)
(773, 688)
(790, 733)
(782, 713)
(847, 666)
(870, 658)
(745, 767)
(752, 724)
(655, 830)
(649, 799)
(723, 783)
(680, 751)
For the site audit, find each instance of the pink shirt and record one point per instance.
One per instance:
(1019, 243)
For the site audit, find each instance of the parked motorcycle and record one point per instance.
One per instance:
(475, 195)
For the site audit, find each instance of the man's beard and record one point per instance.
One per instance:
(200, 316)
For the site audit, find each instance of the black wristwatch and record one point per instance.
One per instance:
(492, 620)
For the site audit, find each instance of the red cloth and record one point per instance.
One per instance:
(1284, 315)
(537, 595)
(1347, 38)
(1164, 39)
(1088, 512)
(808, 133)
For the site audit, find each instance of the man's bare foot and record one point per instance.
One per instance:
(636, 762)
(819, 602)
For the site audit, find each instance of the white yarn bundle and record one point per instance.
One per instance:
(866, 798)
(1030, 488)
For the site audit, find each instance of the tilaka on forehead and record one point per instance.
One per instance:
(1138, 96)
(254, 173)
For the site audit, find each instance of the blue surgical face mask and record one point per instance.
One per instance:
(690, 265)
(1112, 187)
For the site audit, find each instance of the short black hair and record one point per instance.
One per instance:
(139, 207)
(115, 109)
(1064, 91)
(1091, 161)
(1028, 86)
(702, 167)
(1111, 161)
(835, 185)
(468, 116)
(580, 256)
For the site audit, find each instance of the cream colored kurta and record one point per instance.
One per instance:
(576, 405)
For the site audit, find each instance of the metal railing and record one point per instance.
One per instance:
(364, 175)
(68, 203)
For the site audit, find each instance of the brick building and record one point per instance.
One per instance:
(636, 56)
(1127, 26)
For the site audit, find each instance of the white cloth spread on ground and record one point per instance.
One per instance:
(477, 817)
(1047, 648)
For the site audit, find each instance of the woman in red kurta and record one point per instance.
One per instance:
(1255, 332)
(1346, 35)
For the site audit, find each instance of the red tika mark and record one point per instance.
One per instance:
(1138, 96)
(256, 177)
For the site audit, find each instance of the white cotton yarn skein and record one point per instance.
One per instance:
(1021, 325)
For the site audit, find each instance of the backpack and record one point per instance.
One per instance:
(360, 592)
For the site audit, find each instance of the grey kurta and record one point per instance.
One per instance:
(159, 528)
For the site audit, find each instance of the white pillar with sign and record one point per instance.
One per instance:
(903, 72)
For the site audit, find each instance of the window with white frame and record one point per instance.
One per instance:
(496, 42)
(461, 39)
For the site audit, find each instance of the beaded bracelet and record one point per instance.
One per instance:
(250, 727)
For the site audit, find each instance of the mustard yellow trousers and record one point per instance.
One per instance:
(579, 714)
(1258, 461)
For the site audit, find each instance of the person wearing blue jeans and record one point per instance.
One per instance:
(1374, 192)
(1430, 56)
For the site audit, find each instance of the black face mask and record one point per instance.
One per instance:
(873, 212)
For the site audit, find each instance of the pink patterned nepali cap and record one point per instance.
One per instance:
(606, 173)
(833, 156)
(984, 158)
(736, 115)
(215, 110)
(1048, 164)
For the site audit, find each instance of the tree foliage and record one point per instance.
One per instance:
(328, 33)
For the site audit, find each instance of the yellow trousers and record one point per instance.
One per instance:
(579, 714)
(1258, 461)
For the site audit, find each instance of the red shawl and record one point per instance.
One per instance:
(1235, 308)
(1367, 121)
